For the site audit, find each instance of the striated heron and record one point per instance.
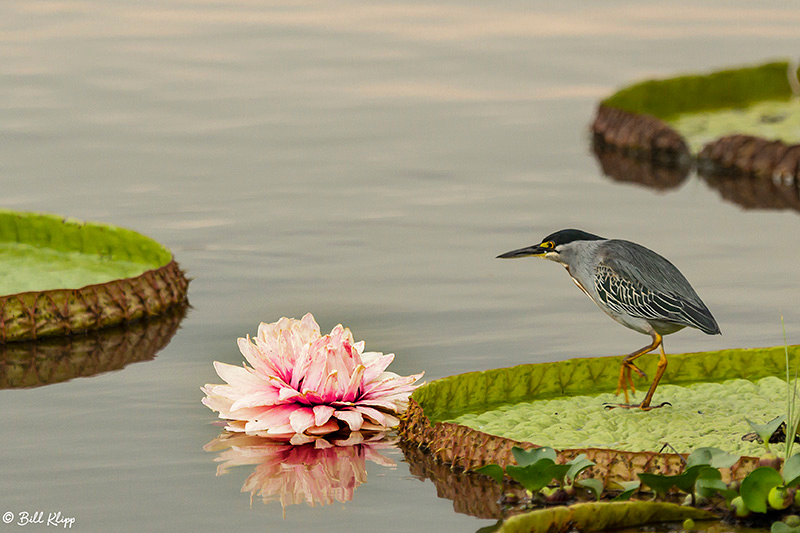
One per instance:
(633, 285)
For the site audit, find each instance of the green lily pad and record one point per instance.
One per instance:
(32, 268)
(451, 416)
(63, 276)
(699, 109)
(670, 98)
(476, 392)
(771, 119)
(701, 414)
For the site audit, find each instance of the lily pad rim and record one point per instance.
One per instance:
(60, 311)
(638, 97)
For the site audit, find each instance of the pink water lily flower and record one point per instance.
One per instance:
(302, 383)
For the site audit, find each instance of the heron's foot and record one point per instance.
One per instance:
(609, 406)
(625, 379)
(624, 382)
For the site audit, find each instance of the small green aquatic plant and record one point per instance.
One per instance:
(792, 416)
(769, 487)
(765, 494)
(537, 468)
(701, 478)
(765, 431)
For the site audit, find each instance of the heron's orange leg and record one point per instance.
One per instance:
(627, 365)
(662, 366)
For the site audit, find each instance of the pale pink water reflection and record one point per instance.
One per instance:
(321, 472)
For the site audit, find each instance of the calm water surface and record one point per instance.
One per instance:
(365, 162)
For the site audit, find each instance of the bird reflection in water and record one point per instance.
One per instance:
(319, 472)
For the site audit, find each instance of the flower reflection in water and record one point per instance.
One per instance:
(320, 471)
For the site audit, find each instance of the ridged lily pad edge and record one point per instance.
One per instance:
(633, 120)
(601, 516)
(463, 447)
(36, 314)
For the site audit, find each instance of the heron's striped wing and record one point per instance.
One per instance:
(622, 295)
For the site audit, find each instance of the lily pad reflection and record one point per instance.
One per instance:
(56, 359)
(319, 472)
(625, 167)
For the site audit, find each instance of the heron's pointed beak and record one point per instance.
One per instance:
(535, 250)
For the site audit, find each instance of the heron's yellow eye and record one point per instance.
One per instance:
(548, 244)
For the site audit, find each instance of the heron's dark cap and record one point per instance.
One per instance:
(566, 236)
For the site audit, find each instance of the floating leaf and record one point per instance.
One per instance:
(493, 471)
(529, 457)
(781, 527)
(533, 477)
(628, 488)
(712, 457)
(791, 471)
(709, 482)
(558, 472)
(658, 482)
(594, 485)
(601, 516)
(578, 465)
(686, 480)
(756, 486)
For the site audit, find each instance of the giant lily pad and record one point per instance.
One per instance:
(746, 119)
(63, 276)
(436, 410)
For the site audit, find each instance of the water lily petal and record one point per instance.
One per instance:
(313, 398)
(353, 419)
(217, 403)
(328, 427)
(329, 390)
(353, 387)
(376, 363)
(287, 393)
(386, 404)
(322, 413)
(378, 417)
(369, 426)
(258, 358)
(389, 383)
(266, 396)
(236, 426)
(271, 417)
(280, 433)
(311, 368)
(301, 419)
(308, 329)
(237, 376)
